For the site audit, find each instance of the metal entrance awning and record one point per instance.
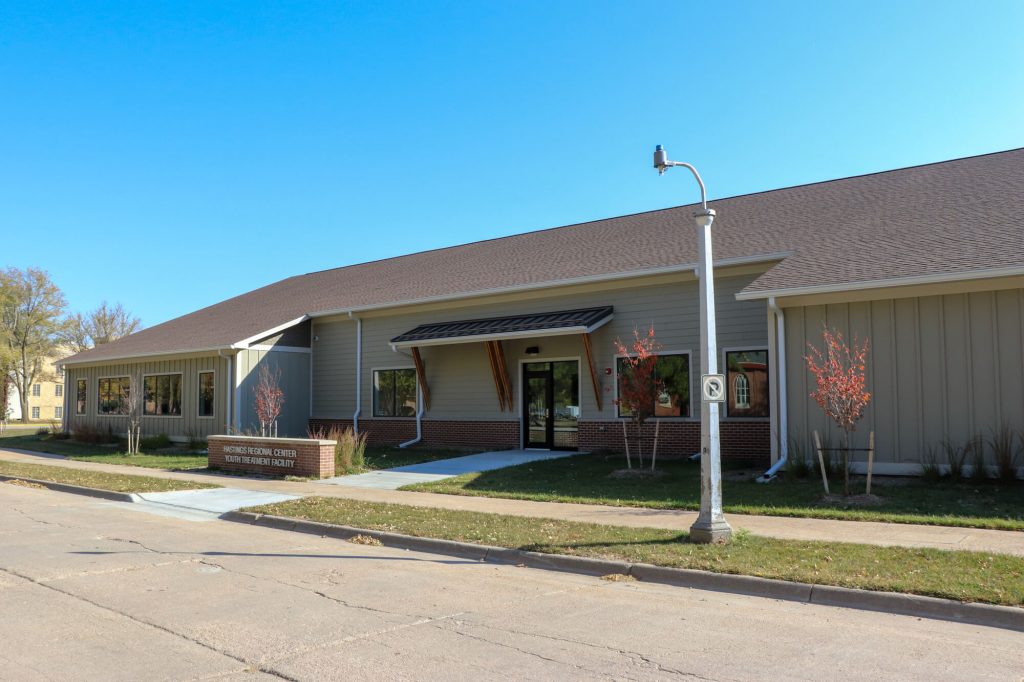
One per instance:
(558, 323)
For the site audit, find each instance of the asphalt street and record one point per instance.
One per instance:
(95, 590)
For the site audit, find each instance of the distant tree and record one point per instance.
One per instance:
(105, 324)
(31, 325)
(839, 372)
(269, 400)
(638, 386)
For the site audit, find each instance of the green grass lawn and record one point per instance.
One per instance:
(120, 483)
(586, 479)
(966, 576)
(102, 453)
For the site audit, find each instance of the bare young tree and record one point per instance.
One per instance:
(131, 407)
(105, 324)
(31, 325)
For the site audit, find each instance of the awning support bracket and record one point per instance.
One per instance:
(421, 376)
(593, 371)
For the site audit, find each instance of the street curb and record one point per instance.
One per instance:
(990, 615)
(74, 489)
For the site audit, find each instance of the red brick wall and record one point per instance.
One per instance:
(487, 434)
(740, 439)
(314, 458)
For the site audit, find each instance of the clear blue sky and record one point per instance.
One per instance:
(171, 155)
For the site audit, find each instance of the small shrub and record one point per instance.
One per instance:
(1005, 445)
(155, 442)
(195, 441)
(930, 469)
(108, 435)
(978, 469)
(87, 433)
(797, 464)
(43, 431)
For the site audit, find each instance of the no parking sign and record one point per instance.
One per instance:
(712, 388)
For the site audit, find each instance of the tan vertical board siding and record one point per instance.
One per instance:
(939, 367)
(294, 382)
(179, 428)
(459, 375)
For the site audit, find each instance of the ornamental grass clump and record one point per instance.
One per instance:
(1005, 445)
(349, 447)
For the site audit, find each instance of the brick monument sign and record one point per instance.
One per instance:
(306, 457)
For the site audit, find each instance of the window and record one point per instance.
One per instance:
(206, 394)
(35, 413)
(112, 394)
(741, 384)
(36, 389)
(58, 390)
(80, 395)
(394, 393)
(747, 382)
(673, 373)
(58, 412)
(161, 395)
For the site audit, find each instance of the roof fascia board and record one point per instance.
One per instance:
(245, 343)
(882, 283)
(480, 338)
(668, 269)
(135, 356)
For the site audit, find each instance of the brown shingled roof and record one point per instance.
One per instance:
(945, 218)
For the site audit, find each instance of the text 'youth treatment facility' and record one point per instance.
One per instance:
(508, 343)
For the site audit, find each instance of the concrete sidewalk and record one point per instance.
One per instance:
(864, 532)
(437, 470)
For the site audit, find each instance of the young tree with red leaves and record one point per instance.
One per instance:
(638, 386)
(840, 379)
(269, 400)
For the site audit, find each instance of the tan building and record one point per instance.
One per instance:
(45, 397)
(509, 342)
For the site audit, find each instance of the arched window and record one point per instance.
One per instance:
(741, 390)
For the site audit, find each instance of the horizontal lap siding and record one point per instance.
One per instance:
(459, 376)
(939, 367)
(189, 423)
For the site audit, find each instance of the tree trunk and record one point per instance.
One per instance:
(846, 463)
(23, 399)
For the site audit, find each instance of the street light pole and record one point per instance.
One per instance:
(710, 525)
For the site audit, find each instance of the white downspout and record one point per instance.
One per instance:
(359, 371)
(229, 382)
(419, 410)
(780, 352)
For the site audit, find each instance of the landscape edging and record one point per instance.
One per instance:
(991, 615)
(73, 489)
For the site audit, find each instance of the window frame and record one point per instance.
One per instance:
(724, 369)
(689, 363)
(373, 392)
(58, 390)
(36, 390)
(98, 401)
(35, 412)
(199, 389)
(58, 411)
(85, 403)
(181, 397)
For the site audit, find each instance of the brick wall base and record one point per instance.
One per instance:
(746, 440)
(276, 456)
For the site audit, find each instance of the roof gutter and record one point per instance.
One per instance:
(938, 278)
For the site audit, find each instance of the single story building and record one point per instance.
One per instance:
(510, 342)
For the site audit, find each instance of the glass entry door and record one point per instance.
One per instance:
(551, 399)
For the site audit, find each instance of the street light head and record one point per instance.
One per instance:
(661, 159)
